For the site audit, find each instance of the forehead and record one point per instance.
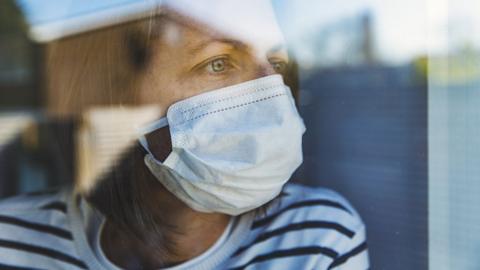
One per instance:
(251, 22)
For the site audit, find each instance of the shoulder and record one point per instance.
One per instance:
(35, 231)
(314, 226)
(299, 202)
(297, 192)
(35, 201)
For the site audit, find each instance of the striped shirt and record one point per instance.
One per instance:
(305, 228)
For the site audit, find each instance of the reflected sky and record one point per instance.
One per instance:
(390, 24)
(45, 11)
(402, 29)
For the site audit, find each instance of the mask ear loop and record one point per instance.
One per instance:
(143, 131)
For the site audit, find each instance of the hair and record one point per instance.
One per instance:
(119, 196)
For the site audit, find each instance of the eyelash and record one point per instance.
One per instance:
(280, 62)
(207, 63)
(228, 64)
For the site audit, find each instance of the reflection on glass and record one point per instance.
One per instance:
(389, 91)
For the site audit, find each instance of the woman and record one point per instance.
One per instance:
(205, 188)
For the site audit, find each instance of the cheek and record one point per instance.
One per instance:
(195, 85)
(167, 89)
(160, 86)
(169, 82)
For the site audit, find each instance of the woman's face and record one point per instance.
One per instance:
(188, 60)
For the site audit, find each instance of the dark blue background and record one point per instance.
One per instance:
(367, 139)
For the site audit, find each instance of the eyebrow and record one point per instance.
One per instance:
(277, 48)
(235, 43)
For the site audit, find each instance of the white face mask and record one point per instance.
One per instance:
(232, 149)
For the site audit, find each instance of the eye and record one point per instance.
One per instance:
(279, 66)
(218, 65)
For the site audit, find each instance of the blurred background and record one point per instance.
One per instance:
(390, 93)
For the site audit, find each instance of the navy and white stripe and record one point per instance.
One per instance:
(305, 228)
(311, 228)
(34, 234)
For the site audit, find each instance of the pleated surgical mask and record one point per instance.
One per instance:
(233, 148)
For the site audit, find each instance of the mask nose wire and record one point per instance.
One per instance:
(144, 130)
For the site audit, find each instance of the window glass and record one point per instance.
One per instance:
(95, 95)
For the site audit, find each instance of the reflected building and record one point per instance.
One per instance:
(57, 110)
(345, 42)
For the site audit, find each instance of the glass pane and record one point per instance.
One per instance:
(158, 133)
(454, 97)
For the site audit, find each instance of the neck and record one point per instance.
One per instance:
(165, 232)
(186, 236)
